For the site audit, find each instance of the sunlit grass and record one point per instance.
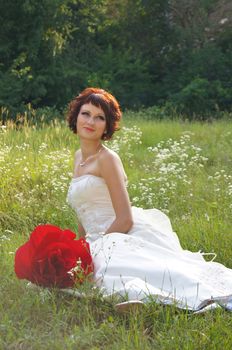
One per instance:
(191, 181)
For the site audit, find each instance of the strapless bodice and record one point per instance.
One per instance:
(88, 195)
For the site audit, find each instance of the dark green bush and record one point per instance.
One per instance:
(200, 98)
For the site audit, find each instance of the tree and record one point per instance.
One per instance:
(32, 35)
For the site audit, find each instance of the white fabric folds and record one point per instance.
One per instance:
(148, 263)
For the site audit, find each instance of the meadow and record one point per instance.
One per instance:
(182, 168)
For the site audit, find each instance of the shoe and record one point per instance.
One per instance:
(128, 306)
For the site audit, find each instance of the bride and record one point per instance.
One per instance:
(136, 254)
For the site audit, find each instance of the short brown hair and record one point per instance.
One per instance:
(99, 98)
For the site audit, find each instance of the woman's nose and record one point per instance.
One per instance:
(91, 120)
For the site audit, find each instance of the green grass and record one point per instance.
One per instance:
(196, 192)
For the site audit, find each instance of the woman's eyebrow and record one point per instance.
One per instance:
(97, 115)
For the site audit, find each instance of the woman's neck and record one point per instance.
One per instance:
(89, 148)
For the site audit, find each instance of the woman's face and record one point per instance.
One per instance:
(91, 122)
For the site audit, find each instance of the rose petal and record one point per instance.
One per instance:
(49, 256)
(23, 261)
(47, 231)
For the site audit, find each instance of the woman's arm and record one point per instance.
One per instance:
(81, 230)
(113, 173)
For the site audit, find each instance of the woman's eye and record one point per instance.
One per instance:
(101, 117)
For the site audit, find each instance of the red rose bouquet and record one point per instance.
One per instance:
(53, 258)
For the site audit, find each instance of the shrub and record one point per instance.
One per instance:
(200, 97)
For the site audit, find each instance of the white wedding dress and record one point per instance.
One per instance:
(148, 263)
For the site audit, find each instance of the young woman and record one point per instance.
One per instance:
(136, 254)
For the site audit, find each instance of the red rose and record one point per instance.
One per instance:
(52, 257)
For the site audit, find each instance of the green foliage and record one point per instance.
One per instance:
(153, 52)
(36, 166)
(123, 74)
(34, 34)
(200, 98)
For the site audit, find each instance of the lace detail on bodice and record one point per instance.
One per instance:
(88, 195)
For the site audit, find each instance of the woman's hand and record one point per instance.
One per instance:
(81, 230)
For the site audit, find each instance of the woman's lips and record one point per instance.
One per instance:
(88, 129)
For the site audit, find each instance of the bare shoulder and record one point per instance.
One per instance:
(77, 155)
(109, 157)
(110, 161)
(109, 154)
